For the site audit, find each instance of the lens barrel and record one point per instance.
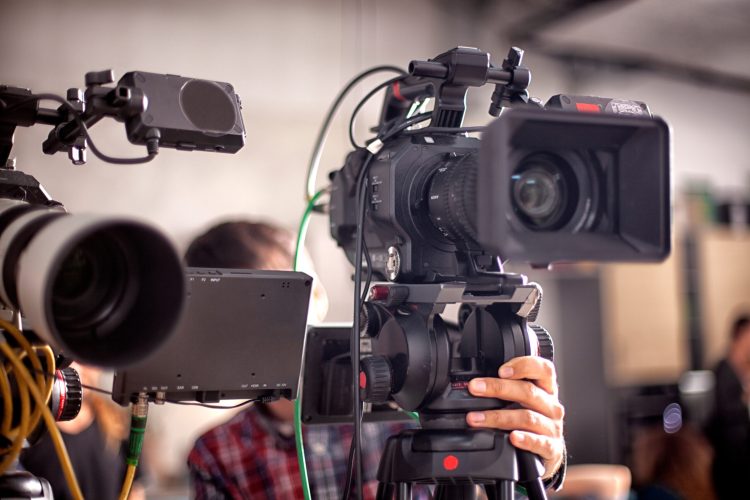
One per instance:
(563, 186)
(105, 291)
(451, 198)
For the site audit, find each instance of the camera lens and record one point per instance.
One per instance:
(544, 192)
(105, 291)
(451, 198)
(90, 284)
(537, 193)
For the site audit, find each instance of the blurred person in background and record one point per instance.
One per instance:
(595, 482)
(672, 465)
(728, 428)
(96, 441)
(253, 455)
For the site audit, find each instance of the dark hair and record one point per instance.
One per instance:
(739, 325)
(680, 461)
(242, 245)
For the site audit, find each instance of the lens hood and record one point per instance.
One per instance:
(106, 291)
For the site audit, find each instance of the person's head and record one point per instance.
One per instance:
(739, 350)
(740, 328)
(242, 245)
(251, 245)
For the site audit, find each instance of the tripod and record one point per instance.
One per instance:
(425, 365)
(457, 460)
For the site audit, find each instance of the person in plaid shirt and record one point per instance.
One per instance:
(253, 455)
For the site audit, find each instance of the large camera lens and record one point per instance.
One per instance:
(544, 193)
(92, 283)
(451, 198)
(103, 291)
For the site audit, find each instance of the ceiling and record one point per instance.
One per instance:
(701, 40)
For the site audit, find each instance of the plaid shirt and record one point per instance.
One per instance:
(249, 458)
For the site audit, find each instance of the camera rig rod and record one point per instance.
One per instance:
(80, 109)
(453, 72)
(19, 107)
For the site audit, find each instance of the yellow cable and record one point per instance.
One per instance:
(51, 368)
(7, 402)
(128, 483)
(41, 381)
(41, 404)
(22, 430)
(19, 433)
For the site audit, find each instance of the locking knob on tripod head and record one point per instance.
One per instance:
(546, 347)
(375, 379)
(372, 318)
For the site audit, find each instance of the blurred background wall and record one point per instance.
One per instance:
(619, 329)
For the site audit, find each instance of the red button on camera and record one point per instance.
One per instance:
(450, 463)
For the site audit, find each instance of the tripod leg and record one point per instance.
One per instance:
(535, 489)
(503, 490)
(404, 491)
(385, 491)
(456, 492)
(530, 470)
(491, 492)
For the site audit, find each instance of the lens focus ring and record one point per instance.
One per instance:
(452, 199)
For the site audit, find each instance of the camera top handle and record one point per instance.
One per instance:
(448, 77)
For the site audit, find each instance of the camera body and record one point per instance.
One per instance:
(542, 185)
(407, 242)
(435, 213)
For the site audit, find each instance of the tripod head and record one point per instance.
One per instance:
(424, 364)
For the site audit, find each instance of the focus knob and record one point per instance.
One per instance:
(372, 318)
(546, 347)
(99, 77)
(375, 379)
(67, 395)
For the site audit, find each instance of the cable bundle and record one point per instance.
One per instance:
(33, 392)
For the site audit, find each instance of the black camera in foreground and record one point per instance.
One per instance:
(435, 213)
(102, 290)
(582, 178)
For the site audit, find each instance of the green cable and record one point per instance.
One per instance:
(135, 443)
(301, 449)
(137, 429)
(302, 231)
(297, 407)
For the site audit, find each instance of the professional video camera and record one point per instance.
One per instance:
(435, 212)
(102, 290)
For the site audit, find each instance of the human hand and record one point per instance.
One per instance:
(530, 381)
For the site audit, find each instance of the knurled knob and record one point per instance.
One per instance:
(375, 379)
(372, 317)
(546, 347)
(67, 395)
